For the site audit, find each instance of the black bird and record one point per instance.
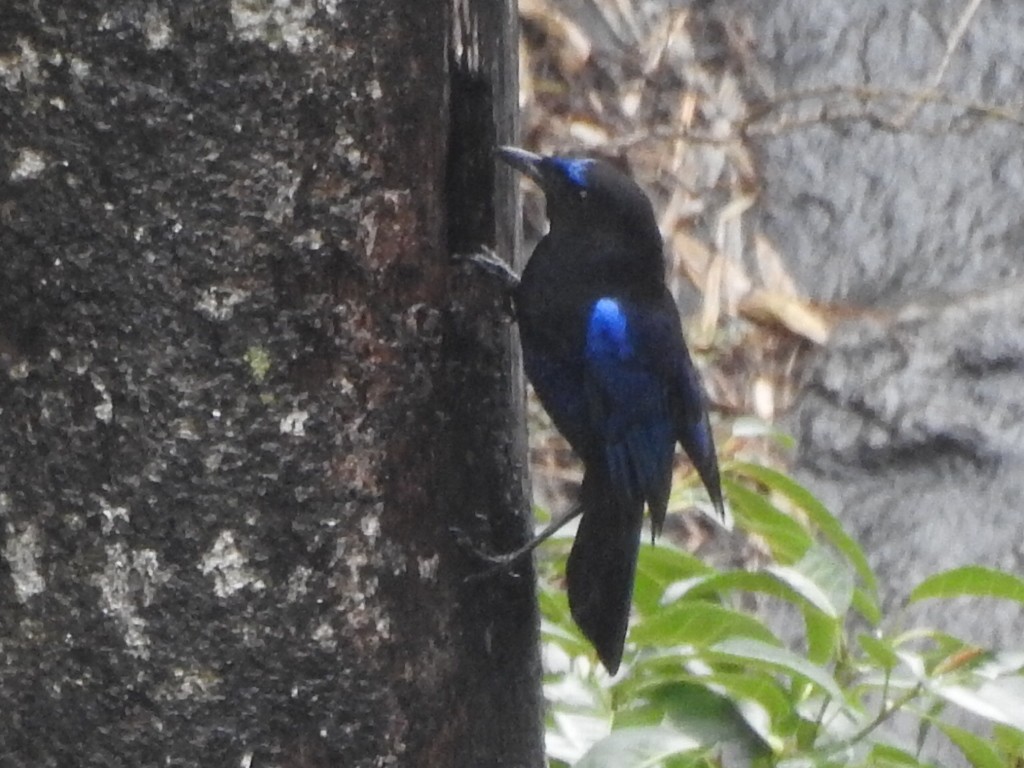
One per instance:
(604, 350)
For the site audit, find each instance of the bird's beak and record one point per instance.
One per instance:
(525, 162)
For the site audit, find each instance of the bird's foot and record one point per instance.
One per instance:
(494, 564)
(487, 260)
(503, 563)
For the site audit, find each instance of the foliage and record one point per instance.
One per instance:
(707, 681)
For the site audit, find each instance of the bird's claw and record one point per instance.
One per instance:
(494, 564)
(464, 541)
(487, 260)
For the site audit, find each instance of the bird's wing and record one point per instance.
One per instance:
(628, 404)
(687, 401)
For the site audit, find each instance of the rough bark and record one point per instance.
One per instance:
(245, 395)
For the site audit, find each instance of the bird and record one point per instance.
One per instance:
(603, 348)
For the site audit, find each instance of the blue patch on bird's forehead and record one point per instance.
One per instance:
(575, 169)
(608, 331)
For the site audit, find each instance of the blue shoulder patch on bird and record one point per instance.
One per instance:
(608, 331)
(575, 169)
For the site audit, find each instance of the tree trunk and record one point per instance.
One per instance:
(245, 397)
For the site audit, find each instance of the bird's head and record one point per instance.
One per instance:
(586, 192)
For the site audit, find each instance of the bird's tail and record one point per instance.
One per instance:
(602, 565)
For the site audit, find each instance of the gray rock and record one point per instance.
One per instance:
(911, 429)
(865, 208)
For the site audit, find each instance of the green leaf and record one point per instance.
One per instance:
(657, 567)
(638, 748)
(756, 694)
(767, 582)
(1010, 742)
(832, 574)
(666, 563)
(557, 626)
(817, 514)
(554, 605)
(867, 605)
(743, 649)
(842, 759)
(970, 580)
(879, 651)
(751, 426)
(697, 623)
(706, 715)
(1000, 701)
(804, 587)
(787, 539)
(940, 644)
(823, 580)
(885, 756)
(823, 633)
(761, 689)
(570, 733)
(979, 752)
(822, 617)
(689, 761)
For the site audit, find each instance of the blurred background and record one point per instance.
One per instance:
(839, 187)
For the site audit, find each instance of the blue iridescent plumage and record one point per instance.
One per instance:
(574, 169)
(603, 348)
(607, 331)
(628, 406)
